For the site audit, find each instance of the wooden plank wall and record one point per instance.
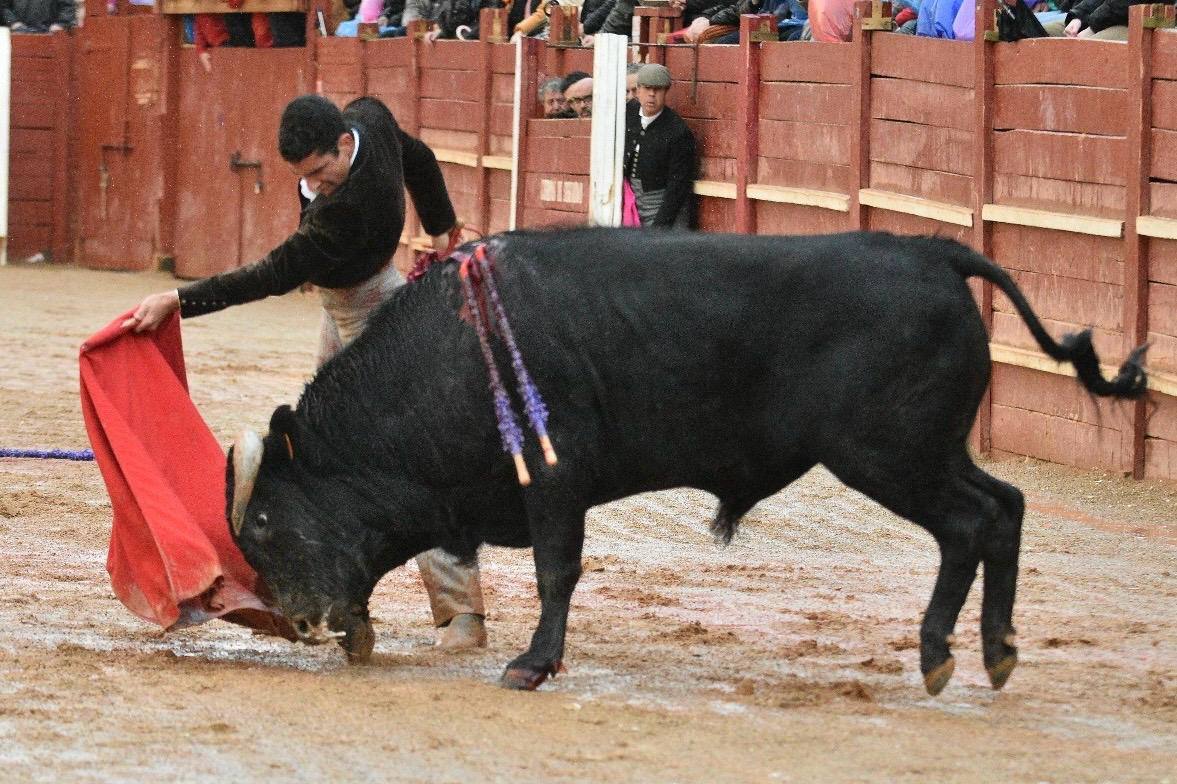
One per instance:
(921, 119)
(553, 164)
(450, 99)
(1060, 126)
(921, 138)
(704, 93)
(804, 130)
(1059, 145)
(555, 173)
(39, 200)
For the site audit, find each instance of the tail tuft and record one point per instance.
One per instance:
(1130, 382)
(726, 521)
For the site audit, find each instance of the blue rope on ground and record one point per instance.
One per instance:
(50, 454)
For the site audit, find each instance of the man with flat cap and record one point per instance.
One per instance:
(659, 153)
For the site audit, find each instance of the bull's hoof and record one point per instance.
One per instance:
(1000, 672)
(937, 678)
(523, 679)
(358, 643)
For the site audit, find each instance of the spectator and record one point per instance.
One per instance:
(209, 31)
(535, 19)
(619, 20)
(631, 81)
(579, 97)
(38, 16)
(906, 15)
(1105, 20)
(793, 19)
(429, 10)
(936, 18)
(451, 18)
(366, 11)
(706, 21)
(435, 12)
(832, 21)
(565, 85)
(709, 22)
(572, 78)
(567, 82)
(535, 23)
(659, 160)
(592, 16)
(213, 30)
(551, 98)
(287, 28)
(391, 13)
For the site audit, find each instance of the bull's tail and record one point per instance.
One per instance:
(1131, 380)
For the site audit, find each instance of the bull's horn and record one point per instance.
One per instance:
(247, 459)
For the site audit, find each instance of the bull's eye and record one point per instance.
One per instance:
(262, 519)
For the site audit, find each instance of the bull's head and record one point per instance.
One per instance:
(293, 526)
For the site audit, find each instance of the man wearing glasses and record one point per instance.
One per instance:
(579, 97)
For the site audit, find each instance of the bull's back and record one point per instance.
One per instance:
(681, 352)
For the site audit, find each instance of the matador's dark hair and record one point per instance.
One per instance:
(310, 124)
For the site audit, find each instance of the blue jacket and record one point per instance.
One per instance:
(936, 18)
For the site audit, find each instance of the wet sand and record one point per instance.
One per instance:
(790, 655)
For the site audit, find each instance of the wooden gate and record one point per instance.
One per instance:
(237, 198)
(123, 76)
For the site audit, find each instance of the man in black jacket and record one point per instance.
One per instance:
(355, 166)
(659, 153)
(37, 16)
(1101, 19)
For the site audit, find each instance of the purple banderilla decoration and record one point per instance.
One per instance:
(509, 431)
(533, 404)
(474, 272)
(49, 454)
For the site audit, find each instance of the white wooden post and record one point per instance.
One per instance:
(608, 132)
(516, 164)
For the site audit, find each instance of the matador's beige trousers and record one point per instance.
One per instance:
(453, 588)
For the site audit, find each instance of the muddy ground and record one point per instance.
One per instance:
(788, 656)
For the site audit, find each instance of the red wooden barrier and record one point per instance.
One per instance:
(39, 197)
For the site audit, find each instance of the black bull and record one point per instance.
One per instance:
(732, 364)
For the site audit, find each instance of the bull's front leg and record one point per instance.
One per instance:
(557, 541)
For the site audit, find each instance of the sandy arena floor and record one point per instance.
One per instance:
(789, 656)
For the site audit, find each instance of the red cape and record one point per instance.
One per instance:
(172, 559)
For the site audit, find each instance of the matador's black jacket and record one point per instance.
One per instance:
(346, 237)
(661, 157)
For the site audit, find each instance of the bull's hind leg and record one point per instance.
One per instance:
(1000, 546)
(956, 513)
(557, 536)
(952, 520)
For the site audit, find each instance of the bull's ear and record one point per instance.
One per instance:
(284, 426)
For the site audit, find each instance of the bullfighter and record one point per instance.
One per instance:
(354, 167)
